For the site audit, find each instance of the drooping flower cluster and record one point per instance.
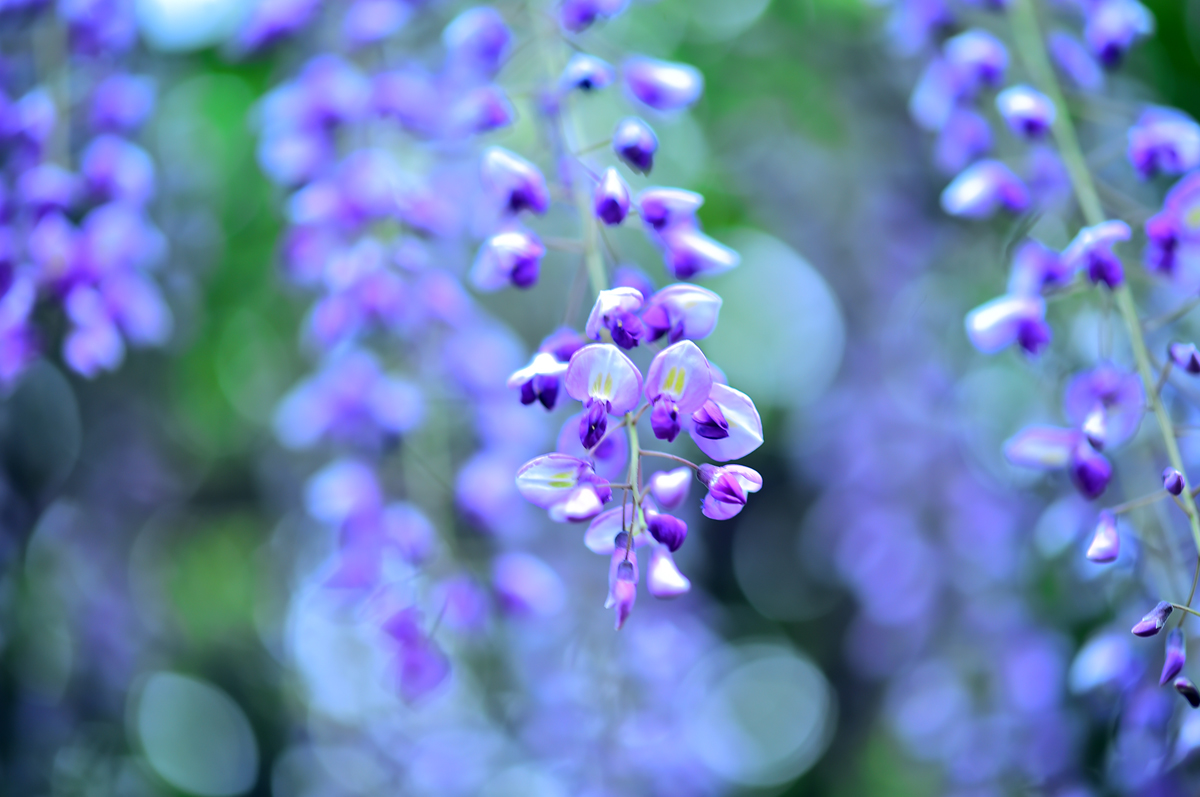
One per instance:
(75, 229)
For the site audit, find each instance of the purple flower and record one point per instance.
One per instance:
(600, 375)
(350, 399)
(567, 487)
(962, 139)
(342, 490)
(670, 487)
(53, 246)
(1042, 447)
(540, 380)
(481, 110)
(935, 97)
(34, 117)
(116, 169)
(622, 585)
(1035, 267)
(727, 425)
(421, 667)
(122, 103)
(135, 303)
(688, 253)
(1185, 356)
(633, 277)
(586, 73)
(1172, 481)
(667, 529)
(663, 579)
(978, 58)
(662, 85)
(1176, 656)
(615, 313)
(411, 97)
(634, 143)
(527, 586)
(983, 188)
(1106, 542)
(1164, 141)
(1090, 471)
(677, 384)
(1188, 689)
(511, 257)
(46, 188)
(1092, 250)
(94, 343)
(1154, 620)
(515, 182)
(578, 15)
(370, 21)
(1074, 61)
(611, 199)
(477, 41)
(18, 346)
(1113, 26)
(663, 208)
(681, 311)
(1114, 395)
(1026, 111)
(1009, 319)
(728, 486)
(292, 156)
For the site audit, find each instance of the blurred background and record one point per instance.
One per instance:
(896, 613)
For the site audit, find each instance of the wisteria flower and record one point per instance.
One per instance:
(728, 488)
(1092, 250)
(983, 188)
(567, 487)
(607, 382)
(661, 208)
(611, 199)
(614, 315)
(663, 577)
(1026, 111)
(1113, 26)
(1164, 141)
(634, 142)
(678, 382)
(670, 487)
(515, 182)
(586, 73)
(727, 425)
(1009, 319)
(1106, 403)
(540, 380)
(681, 311)
(511, 257)
(662, 85)
(978, 57)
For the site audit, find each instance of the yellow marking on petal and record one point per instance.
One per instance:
(607, 385)
(562, 484)
(679, 378)
(1192, 218)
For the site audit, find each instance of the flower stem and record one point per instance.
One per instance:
(1029, 43)
(665, 455)
(1121, 509)
(1183, 608)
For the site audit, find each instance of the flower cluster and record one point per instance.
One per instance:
(76, 190)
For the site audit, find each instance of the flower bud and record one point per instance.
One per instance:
(1106, 542)
(1188, 689)
(663, 85)
(635, 144)
(670, 487)
(983, 188)
(586, 73)
(1090, 471)
(1172, 481)
(1185, 356)
(1026, 111)
(517, 183)
(611, 200)
(667, 529)
(663, 578)
(1154, 620)
(1176, 655)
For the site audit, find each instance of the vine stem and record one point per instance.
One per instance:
(665, 455)
(1028, 37)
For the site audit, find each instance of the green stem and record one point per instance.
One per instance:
(1029, 43)
(665, 455)
(635, 470)
(1121, 509)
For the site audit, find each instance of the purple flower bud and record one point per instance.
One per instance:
(578, 15)
(662, 208)
(710, 422)
(1042, 447)
(728, 487)
(1154, 620)
(688, 253)
(1026, 111)
(1090, 471)
(35, 117)
(1107, 399)
(611, 198)
(997, 324)
(1185, 356)
(1074, 62)
(342, 490)
(514, 181)
(1035, 266)
(635, 144)
(1092, 249)
(663, 578)
(540, 380)
(680, 312)
(527, 586)
(1165, 141)
(633, 277)
(593, 424)
(370, 21)
(983, 188)
(663, 85)
(664, 419)
(508, 257)
(667, 529)
(979, 58)
(122, 103)
(1113, 26)
(480, 111)
(1176, 655)
(477, 40)
(963, 139)
(678, 381)
(1188, 689)
(586, 73)
(670, 487)
(1106, 542)
(1172, 481)
(622, 584)
(614, 312)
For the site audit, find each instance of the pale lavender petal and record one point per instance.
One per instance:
(663, 578)
(600, 371)
(547, 480)
(525, 585)
(670, 487)
(745, 426)
(997, 324)
(341, 490)
(681, 373)
(1042, 447)
(608, 304)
